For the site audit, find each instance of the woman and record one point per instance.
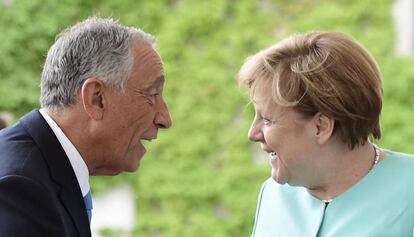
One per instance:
(317, 99)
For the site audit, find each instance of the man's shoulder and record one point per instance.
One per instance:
(19, 153)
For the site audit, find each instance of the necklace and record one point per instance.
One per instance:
(376, 160)
(377, 156)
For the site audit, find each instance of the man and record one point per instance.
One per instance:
(101, 95)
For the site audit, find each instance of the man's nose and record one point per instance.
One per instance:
(163, 117)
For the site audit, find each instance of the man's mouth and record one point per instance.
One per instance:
(148, 139)
(145, 141)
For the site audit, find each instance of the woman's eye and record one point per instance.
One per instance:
(267, 121)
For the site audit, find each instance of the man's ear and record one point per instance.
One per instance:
(93, 98)
(324, 128)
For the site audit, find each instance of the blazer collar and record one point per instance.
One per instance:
(60, 169)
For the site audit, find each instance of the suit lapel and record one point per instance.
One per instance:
(60, 169)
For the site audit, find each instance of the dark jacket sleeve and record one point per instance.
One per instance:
(26, 209)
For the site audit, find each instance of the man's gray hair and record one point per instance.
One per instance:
(99, 48)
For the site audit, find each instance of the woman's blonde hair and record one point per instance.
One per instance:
(327, 72)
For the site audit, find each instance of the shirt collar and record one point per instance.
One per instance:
(75, 159)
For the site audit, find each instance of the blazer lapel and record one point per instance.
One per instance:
(60, 169)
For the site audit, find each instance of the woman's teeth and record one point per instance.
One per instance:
(272, 156)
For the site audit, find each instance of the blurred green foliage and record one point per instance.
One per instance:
(200, 178)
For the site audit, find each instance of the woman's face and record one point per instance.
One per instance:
(286, 135)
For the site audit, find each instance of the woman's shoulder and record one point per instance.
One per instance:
(396, 154)
(402, 161)
(397, 167)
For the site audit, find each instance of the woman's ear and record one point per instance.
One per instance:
(93, 98)
(324, 127)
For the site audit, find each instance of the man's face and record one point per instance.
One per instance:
(136, 114)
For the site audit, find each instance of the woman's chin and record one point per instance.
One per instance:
(277, 177)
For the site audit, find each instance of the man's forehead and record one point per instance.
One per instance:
(143, 49)
(148, 66)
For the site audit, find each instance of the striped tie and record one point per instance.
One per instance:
(88, 204)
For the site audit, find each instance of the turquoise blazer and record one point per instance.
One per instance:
(380, 204)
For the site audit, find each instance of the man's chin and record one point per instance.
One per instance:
(106, 172)
(130, 162)
(130, 168)
(130, 165)
(133, 162)
(133, 167)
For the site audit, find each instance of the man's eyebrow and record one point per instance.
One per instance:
(159, 81)
(155, 85)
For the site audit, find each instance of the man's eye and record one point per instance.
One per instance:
(152, 98)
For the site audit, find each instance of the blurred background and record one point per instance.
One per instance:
(202, 177)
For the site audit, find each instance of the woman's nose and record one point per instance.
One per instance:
(255, 134)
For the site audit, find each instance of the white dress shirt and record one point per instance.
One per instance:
(75, 159)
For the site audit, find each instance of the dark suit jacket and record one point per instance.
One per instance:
(39, 192)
